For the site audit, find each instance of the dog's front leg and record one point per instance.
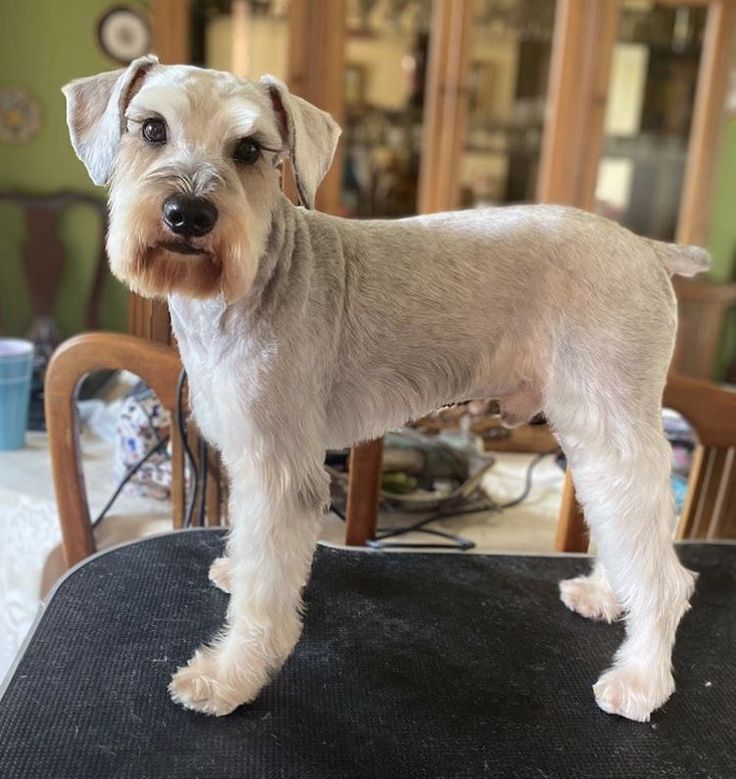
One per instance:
(276, 511)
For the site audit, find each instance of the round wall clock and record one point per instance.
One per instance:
(123, 34)
(20, 115)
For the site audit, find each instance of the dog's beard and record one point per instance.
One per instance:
(153, 263)
(159, 271)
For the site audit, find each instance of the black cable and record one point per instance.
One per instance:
(203, 477)
(528, 483)
(181, 424)
(128, 476)
(458, 542)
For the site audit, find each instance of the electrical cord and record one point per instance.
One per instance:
(181, 424)
(457, 541)
(528, 481)
(128, 476)
(161, 444)
(203, 477)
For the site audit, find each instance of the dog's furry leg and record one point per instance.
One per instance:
(219, 574)
(590, 596)
(276, 514)
(627, 500)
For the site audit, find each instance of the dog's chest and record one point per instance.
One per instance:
(213, 365)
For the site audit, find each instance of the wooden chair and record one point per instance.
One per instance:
(44, 255)
(159, 366)
(710, 506)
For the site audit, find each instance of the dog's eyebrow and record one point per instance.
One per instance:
(266, 140)
(168, 101)
(246, 120)
(141, 114)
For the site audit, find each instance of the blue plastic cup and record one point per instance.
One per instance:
(16, 368)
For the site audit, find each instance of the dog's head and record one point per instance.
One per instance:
(192, 160)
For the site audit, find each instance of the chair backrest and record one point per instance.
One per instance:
(44, 255)
(710, 506)
(158, 365)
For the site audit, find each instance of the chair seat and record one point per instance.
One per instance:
(436, 665)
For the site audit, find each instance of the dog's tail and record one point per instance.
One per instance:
(681, 260)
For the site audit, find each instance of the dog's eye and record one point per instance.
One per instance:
(154, 130)
(247, 151)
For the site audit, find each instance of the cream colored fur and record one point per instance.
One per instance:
(302, 331)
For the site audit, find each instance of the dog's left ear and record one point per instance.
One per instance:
(309, 136)
(95, 114)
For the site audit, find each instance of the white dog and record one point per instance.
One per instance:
(301, 331)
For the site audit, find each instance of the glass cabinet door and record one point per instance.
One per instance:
(487, 100)
(241, 36)
(384, 82)
(507, 90)
(651, 95)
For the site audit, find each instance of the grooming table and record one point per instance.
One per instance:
(411, 665)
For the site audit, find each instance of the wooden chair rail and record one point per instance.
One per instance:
(364, 486)
(710, 409)
(710, 506)
(44, 252)
(157, 365)
(572, 532)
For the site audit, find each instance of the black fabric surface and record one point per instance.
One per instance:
(410, 666)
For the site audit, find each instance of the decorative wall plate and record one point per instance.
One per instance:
(123, 34)
(20, 115)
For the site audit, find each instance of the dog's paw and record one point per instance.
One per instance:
(201, 685)
(633, 692)
(591, 597)
(220, 574)
(198, 686)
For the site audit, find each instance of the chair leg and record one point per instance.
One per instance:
(364, 486)
(572, 532)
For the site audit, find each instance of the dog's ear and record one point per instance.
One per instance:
(309, 137)
(95, 114)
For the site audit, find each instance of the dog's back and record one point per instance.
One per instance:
(479, 303)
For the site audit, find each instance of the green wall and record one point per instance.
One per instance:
(44, 44)
(723, 231)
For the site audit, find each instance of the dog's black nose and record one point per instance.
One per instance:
(189, 216)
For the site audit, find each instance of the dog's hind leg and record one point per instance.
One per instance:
(620, 462)
(276, 508)
(590, 596)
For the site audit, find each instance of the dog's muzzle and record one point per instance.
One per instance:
(189, 216)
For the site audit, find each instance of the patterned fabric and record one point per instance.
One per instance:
(142, 424)
(29, 531)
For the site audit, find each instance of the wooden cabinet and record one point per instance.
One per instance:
(454, 103)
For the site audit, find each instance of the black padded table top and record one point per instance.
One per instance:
(410, 665)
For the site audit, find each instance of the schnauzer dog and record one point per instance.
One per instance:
(302, 331)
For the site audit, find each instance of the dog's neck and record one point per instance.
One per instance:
(287, 271)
